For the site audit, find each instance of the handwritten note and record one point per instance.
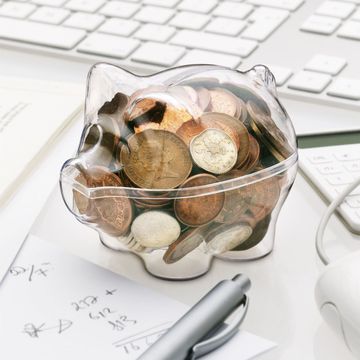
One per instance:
(56, 306)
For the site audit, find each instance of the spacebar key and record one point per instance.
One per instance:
(40, 34)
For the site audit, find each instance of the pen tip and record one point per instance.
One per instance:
(243, 281)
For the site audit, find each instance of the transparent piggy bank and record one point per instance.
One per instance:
(181, 166)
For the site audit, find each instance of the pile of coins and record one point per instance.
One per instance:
(192, 140)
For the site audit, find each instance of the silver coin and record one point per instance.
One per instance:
(214, 151)
(225, 238)
(155, 229)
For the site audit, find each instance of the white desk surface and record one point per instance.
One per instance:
(282, 295)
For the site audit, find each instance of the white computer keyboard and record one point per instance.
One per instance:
(153, 34)
(331, 169)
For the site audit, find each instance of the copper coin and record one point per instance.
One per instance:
(156, 159)
(223, 238)
(188, 130)
(111, 210)
(223, 101)
(188, 241)
(265, 127)
(197, 211)
(253, 156)
(117, 103)
(258, 234)
(253, 201)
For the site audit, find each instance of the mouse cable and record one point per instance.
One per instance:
(325, 219)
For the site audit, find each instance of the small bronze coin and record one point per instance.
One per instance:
(188, 130)
(156, 159)
(111, 210)
(258, 234)
(200, 210)
(188, 241)
(265, 127)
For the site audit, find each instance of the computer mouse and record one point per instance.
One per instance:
(337, 295)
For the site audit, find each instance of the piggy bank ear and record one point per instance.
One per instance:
(103, 82)
(263, 77)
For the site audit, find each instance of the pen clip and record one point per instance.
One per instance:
(222, 335)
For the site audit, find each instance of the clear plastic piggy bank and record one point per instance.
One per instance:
(181, 166)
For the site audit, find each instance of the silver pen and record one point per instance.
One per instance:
(201, 329)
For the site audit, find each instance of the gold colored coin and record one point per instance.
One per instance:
(197, 211)
(156, 159)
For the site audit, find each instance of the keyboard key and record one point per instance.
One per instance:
(265, 13)
(201, 6)
(350, 30)
(356, 15)
(50, 15)
(309, 81)
(345, 88)
(320, 158)
(233, 10)
(158, 54)
(164, 3)
(214, 42)
(328, 169)
(155, 32)
(119, 9)
(353, 166)
(40, 34)
(16, 9)
(327, 64)
(337, 9)
(261, 30)
(49, 2)
(347, 155)
(156, 15)
(85, 5)
(108, 45)
(353, 201)
(321, 24)
(290, 5)
(84, 21)
(226, 26)
(339, 179)
(120, 27)
(188, 20)
(207, 57)
(281, 74)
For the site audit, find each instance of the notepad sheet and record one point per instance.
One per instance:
(56, 306)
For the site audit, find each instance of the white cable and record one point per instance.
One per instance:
(325, 219)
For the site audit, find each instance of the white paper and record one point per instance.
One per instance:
(29, 121)
(56, 306)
